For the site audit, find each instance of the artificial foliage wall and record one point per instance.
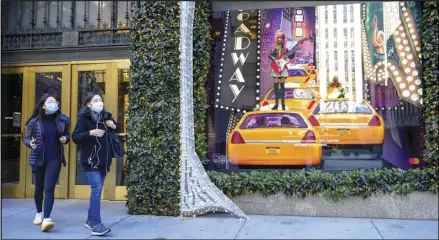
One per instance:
(202, 53)
(430, 55)
(154, 110)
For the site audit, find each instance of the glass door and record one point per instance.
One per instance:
(87, 78)
(123, 76)
(54, 80)
(14, 114)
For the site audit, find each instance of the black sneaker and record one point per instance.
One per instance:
(100, 230)
(88, 224)
(275, 107)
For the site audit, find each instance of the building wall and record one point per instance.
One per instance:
(338, 48)
(52, 31)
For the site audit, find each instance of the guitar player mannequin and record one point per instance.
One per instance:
(277, 51)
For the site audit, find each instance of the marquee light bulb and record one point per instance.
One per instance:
(415, 97)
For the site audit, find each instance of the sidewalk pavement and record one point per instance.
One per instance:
(69, 217)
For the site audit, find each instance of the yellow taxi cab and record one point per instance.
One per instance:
(310, 69)
(274, 138)
(297, 75)
(346, 122)
(295, 98)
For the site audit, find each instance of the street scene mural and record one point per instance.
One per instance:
(273, 109)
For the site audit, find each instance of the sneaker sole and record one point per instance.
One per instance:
(100, 234)
(38, 223)
(48, 227)
(88, 226)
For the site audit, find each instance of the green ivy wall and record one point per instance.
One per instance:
(154, 104)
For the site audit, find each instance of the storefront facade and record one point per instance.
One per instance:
(88, 48)
(66, 48)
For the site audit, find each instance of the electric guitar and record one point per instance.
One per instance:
(279, 63)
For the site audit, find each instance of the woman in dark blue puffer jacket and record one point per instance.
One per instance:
(47, 132)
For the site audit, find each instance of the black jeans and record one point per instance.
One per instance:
(45, 178)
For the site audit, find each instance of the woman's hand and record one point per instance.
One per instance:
(97, 132)
(63, 139)
(110, 124)
(33, 144)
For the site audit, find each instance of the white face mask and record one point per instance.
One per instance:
(51, 108)
(97, 107)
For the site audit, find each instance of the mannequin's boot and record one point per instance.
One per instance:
(282, 95)
(276, 96)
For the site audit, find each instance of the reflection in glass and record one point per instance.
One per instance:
(48, 83)
(87, 82)
(124, 82)
(11, 127)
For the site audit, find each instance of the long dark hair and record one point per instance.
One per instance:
(38, 109)
(87, 100)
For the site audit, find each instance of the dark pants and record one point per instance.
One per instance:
(96, 180)
(45, 178)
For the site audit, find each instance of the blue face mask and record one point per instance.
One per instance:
(97, 107)
(51, 108)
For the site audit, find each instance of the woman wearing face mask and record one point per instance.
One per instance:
(91, 132)
(47, 131)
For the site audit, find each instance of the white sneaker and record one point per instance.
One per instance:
(47, 225)
(38, 219)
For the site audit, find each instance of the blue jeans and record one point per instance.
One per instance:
(96, 180)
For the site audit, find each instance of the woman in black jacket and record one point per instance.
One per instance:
(92, 133)
(47, 131)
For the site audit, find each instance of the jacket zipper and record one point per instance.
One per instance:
(62, 145)
(106, 162)
(42, 140)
